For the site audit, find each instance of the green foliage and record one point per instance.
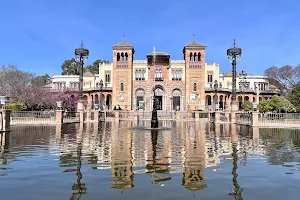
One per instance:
(41, 80)
(295, 97)
(70, 67)
(247, 106)
(265, 106)
(276, 104)
(15, 106)
(94, 68)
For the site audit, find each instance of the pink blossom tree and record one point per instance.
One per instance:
(37, 97)
(68, 97)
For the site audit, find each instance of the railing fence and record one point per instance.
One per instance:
(32, 117)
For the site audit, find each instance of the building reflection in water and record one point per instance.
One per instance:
(237, 190)
(188, 148)
(158, 163)
(185, 150)
(79, 188)
(121, 156)
(194, 163)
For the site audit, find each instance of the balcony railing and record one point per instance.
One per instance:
(176, 79)
(159, 79)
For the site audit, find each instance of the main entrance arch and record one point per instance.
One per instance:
(159, 92)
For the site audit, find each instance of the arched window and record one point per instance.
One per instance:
(195, 57)
(126, 56)
(118, 56)
(199, 56)
(191, 57)
(122, 86)
(107, 78)
(195, 87)
(122, 57)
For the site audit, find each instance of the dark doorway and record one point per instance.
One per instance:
(139, 102)
(176, 103)
(159, 107)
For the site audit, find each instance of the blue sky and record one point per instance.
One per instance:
(38, 35)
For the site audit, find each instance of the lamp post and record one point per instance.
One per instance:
(243, 76)
(81, 54)
(216, 93)
(234, 54)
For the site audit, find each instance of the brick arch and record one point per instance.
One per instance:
(154, 86)
(177, 88)
(139, 87)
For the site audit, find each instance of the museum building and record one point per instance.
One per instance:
(185, 84)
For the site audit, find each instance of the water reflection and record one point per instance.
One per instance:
(194, 163)
(188, 156)
(121, 157)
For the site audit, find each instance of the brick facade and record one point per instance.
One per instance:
(178, 84)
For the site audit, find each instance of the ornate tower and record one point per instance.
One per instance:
(194, 56)
(122, 74)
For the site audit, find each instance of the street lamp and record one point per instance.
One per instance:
(234, 54)
(101, 88)
(81, 54)
(242, 76)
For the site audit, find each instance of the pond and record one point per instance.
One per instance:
(113, 160)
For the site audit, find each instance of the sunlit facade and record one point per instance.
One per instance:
(185, 84)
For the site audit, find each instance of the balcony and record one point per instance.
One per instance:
(176, 79)
(159, 79)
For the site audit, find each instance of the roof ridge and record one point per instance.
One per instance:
(194, 43)
(123, 43)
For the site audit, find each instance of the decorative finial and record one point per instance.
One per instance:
(234, 43)
(193, 37)
(81, 45)
(154, 50)
(163, 49)
(124, 37)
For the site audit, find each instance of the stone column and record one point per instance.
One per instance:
(218, 129)
(96, 115)
(6, 119)
(81, 116)
(89, 111)
(233, 117)
(197, 116)
(227, 116)
(59, 116)
(255, 118)
(217, 117)
(58, 130)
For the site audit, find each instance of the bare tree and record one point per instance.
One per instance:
(288, 76)
(11, 78)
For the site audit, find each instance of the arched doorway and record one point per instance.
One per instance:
(159, 94)
(108, 102)
(96, 101)
(140, 98)
(176, 94)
